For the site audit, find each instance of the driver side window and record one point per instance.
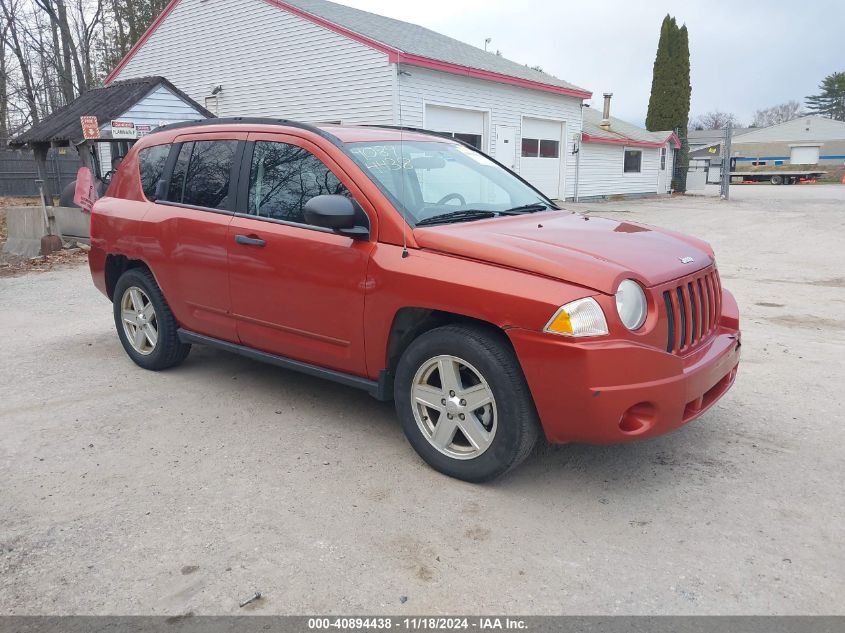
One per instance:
(283, 177)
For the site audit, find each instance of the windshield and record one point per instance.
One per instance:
(434, 179)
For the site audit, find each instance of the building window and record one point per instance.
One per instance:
(540, 148)
(662, 158)
(284, 177)
(549, 149)
(633, 161)
(530, 147)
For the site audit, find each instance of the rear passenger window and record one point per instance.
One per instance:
(151, 161)
(201, 174)
(284, 177)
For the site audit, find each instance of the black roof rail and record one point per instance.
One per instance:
(420, 130)
(251, 121)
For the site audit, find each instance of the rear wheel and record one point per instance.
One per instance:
(464, 404)
(145, 325)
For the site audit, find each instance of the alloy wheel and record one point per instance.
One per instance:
(454, 407)
(139, 320)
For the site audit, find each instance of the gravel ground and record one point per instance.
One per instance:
(129, 492)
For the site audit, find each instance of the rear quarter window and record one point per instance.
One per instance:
(151, 161)
(201, 174)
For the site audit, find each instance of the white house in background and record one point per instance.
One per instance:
(618, 158)
(317, 61)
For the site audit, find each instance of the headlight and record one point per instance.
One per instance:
(583, 317)
(631, 304)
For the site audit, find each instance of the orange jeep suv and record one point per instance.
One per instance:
(415, 267)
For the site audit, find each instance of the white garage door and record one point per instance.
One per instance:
(466, 125)
(543, 149)
(804, 155)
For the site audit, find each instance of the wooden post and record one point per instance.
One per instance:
(40, 150)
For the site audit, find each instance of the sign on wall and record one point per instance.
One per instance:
(143, 129)
(123, 130)
(90, 127)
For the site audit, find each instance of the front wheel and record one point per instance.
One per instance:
(145, 325)
(464, 404)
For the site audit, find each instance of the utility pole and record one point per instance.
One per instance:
(725, 190)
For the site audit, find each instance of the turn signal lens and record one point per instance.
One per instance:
(583, 317)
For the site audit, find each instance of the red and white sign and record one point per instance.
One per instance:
(123, 130)
(143, 129)
(85, 194)
(90, 127)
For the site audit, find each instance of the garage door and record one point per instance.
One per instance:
(541, 163)
(466, 125)
(804, 155)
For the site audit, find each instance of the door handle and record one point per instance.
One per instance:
(246, 240)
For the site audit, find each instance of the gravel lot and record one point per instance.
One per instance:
(129, 492)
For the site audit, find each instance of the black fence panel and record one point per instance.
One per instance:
(18, 172)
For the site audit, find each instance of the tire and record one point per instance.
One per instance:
(777, 180)
(135, 289)
(506, 428)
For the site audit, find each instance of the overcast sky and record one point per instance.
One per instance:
(745, 55)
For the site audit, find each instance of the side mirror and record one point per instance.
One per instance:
(335, 212)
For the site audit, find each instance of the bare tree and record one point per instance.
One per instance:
(12, 14)
(4, 88)
(57, 12)
(714, 120)
(778, 114)
(52, 51)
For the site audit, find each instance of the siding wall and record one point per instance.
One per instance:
(601, 171)
(160, 106)
(269, 62)
(806, 129)
(831, 152)
(504, 105)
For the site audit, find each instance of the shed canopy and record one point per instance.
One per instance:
(63, 127)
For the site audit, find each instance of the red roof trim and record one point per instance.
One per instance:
(152, 28)
(394, 55)
(436, 64)
(589, 138)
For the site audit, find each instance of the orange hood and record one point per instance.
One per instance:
(589, 251)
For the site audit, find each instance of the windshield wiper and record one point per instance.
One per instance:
(529, 208)
(458, 216)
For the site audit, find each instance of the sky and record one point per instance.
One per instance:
(744, 55)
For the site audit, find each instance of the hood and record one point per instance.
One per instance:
(589, 251)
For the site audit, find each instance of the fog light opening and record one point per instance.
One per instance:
(638, 419)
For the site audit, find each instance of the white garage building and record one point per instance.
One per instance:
(617, 158)
(317, 61)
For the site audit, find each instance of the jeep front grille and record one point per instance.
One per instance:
(693, 306)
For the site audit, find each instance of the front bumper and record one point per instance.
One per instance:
(610, 391)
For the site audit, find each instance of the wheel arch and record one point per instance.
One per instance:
(116, 265)
(409, 323)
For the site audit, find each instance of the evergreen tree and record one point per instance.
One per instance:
(830, 102)
(669, 103)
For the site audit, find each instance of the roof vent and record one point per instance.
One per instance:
(605, 115)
